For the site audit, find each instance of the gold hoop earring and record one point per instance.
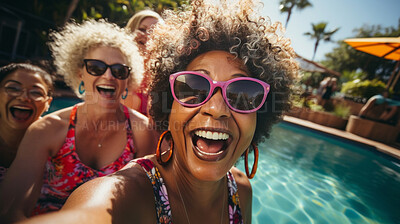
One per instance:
(158, 151)
(246, 162)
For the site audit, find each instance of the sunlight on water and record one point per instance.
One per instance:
(306, 177)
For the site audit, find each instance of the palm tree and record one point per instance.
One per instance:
(319, 34)
(289, 5)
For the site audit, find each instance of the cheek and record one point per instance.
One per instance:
(247, 126)
(41, 107)
(178, 119)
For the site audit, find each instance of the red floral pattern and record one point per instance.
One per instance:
(65, 172)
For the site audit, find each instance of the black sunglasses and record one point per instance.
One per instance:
(98, 68)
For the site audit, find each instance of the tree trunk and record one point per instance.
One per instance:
(71, 9)
(315, 49)
(288, 16)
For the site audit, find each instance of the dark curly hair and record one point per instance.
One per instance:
(230, 26)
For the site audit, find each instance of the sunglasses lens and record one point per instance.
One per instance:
(95, 68)
(119, 71)
(191, 89)
(245, 95)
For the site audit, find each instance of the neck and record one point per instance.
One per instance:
(9, 142)
(99, 115)
(11, 137)
(195, 198)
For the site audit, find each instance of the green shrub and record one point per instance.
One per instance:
(366, 88)
(342, 111)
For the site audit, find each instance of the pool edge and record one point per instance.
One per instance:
(381, 147)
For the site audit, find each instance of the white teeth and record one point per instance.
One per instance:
(106, 87)
(22, 107)
(213, 135)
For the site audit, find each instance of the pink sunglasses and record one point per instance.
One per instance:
(242, 95)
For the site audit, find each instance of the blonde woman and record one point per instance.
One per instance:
(140, 25)
(91, 139)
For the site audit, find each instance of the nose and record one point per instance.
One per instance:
(107, 74)
(216, 107)
(24, 95)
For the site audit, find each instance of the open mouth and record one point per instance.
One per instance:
(106, 91)
(21, 113)
(210, 145)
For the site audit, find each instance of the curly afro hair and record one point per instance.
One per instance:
(231, 26)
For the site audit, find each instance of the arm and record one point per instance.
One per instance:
(82, 206)
(21, 187)
(123, 197)
(245, 194)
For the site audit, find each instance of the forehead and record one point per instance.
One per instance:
(25, 78)
(107, 54)
(148, 21)
(217, 60)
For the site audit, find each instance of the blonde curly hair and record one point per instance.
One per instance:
(70, 45)
(227, 25)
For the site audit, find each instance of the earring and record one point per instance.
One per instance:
(158, 151)
(81, 88)
(126, 94)
(246, 162)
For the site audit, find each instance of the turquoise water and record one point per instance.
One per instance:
(307, 177)
(62, 102)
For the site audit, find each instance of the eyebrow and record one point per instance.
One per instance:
(34, 86)
(12, 81)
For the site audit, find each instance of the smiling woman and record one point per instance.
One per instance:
(25, 93)
(91, 139)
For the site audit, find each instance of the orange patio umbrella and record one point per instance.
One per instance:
(384, 47)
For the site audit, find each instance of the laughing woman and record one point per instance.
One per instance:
(92, 139)
(221, 80)
(25, 93)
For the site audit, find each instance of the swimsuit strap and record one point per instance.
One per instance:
(129, 132)
(235, 214)
(163, 209)
(72, 117)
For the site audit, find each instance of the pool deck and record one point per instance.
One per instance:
(390, 150)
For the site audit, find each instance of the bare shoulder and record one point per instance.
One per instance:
(53, 127)
(57, 119)
(144, 136)
(138, 117)
(245, 193)
(126, 195)
(242, 181)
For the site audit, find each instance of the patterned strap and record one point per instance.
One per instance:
(235, 215)
(72, 117)
(129, 132)
(163, 209)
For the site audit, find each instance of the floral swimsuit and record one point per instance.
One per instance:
(163, 208)
(65, 172)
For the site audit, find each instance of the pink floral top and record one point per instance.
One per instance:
(162, 206)
(65, 172)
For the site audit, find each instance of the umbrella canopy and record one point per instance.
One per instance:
(384, 47)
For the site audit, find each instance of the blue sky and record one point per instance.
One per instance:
(346, 14)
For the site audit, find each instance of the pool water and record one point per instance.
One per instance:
(304, 176)
(61, 102)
